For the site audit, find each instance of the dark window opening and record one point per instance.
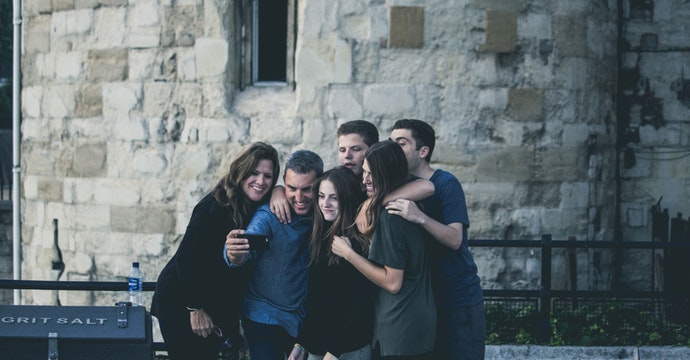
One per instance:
(271, 44)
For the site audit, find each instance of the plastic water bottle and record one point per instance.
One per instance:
(136, 285)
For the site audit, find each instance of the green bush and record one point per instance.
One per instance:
(608, 323)
(508, 325)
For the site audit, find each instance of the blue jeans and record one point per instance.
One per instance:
(267, 342)
(461, 333)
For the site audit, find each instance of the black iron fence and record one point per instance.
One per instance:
(536, 310)
(533, 310)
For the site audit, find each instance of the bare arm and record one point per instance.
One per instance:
(387, 278)
(416, 190)
(449, 235)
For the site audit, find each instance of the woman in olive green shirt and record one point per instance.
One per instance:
(398, 262)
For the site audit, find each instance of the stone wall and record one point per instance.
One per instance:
(132, 110)
(654, 128)
(6, 295)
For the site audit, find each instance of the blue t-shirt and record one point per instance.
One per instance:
(278, 285)
(455, 278)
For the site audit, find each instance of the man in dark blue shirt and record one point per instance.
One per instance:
(461, 326)
(273, 306)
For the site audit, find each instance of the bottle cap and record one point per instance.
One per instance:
(135, 264)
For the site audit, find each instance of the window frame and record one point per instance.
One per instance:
(249, 65)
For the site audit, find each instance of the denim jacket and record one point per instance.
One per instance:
(278, 285)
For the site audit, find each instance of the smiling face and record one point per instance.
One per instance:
(328, 200)
(259, 182)
(298, 190)
(351, 150)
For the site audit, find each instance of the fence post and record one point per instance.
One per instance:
(676, 268)
(545, 302)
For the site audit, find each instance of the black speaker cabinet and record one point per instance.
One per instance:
(75, 332)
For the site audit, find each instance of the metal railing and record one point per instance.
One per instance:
(544, 295)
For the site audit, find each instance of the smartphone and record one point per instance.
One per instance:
(256, 241)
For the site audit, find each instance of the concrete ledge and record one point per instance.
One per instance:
(513, 352)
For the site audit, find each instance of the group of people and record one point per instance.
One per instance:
(367, 260)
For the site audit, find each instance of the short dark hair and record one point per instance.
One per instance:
(363, 128)
(422, 133)
(304, 162)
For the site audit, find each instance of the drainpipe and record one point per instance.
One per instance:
(618, 226)
(16, 115)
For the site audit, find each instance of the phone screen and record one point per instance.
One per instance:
(256, 241)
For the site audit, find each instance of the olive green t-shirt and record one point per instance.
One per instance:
(405, 323)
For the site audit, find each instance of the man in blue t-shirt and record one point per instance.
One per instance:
(461, 326)
(273, 307)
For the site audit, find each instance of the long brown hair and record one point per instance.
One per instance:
(388, 167)
(350, 196)
(228, 192)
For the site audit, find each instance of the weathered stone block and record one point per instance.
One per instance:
(546, 194)
(376, 99)
(510, 165)
(150, 163)
(216, 97)
(63, 5)
(37, 7)
(535, 26)
(89, 160)
(344, 103)
(31, 101)
(50, 189)
(501, 32)
(110, 27)
(58, 101)
(182, 24)
(284, 131)
(192, 163)
(493, 98)
(39, 162)
(343, 62)
(157, 97)
(570, 35)
(86, 4)
(107, 65)
(211, 57)
(526, 104)
(131, 128)
(147, 220)
(114, 3)
(75, 22)
(314, 65)
(68, 66)
(37, 34)
(406, 27)
(89, 101)
(561, 164)
(575, 195)
(504, 5)
(120, 98)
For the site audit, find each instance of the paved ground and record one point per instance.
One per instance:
(514, 352)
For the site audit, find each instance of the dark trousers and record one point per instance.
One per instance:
(376, 355)
(267, 342)
(180, 342)
(461, 333)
